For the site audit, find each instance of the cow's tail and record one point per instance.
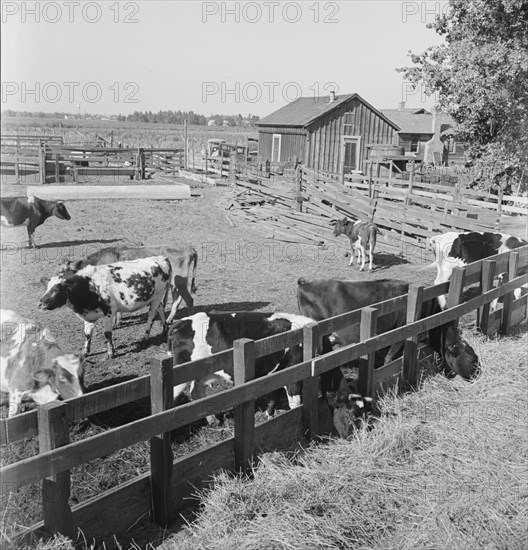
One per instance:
(194, 263)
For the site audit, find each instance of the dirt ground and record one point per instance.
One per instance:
(238, 269)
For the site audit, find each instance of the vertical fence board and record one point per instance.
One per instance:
(486, 283)
(414, 308)
(508, 298)
(367, 329)
(53, 433)
(456, 287)
(244, 371)
(161, 399)
(310, 412)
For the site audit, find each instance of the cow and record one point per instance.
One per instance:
(362, 236)
(457, 249)
(33, 365)
(31, 212)
(102, 291)
(203, 334)
(183, 260)
(325, 298)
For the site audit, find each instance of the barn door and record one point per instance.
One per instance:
(276, 148)
(350, 155)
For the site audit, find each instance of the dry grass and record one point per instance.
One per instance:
(446, 470)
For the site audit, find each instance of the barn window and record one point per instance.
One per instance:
(350, 154)
(415, 145)
(276, 148)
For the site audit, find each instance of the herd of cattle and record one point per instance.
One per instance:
(115, 281)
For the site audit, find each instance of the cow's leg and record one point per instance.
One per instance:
(394, 350)
(108, 321)
(118, 318)
(179, 389)
(362, 254)
(31, 234)
(156, 306)
(183, 291)
(88, 332)
(178, 294)
(371, 255)
(353, 254)
(15, 400)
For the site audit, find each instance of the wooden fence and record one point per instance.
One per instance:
(409, 215)
(162, 493)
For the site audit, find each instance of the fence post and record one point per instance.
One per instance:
(17, 168)
(161, 390)
(456, 287)
(244, 371)
(508, 298)
(367, 329)
(310, 410)
(410, 350)
(53, 433)
(42, 162)
(232, 168)
(298, 189)
(185, 145)
(486, 283)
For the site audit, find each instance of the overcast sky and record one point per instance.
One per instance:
(113, 57)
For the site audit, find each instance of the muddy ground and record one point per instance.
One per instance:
(238, 269)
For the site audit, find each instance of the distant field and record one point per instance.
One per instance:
(130, 134)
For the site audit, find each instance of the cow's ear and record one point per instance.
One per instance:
(44, 281)
(42, 376)
(76, 266)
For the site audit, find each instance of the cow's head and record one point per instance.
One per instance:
(63, 377)
(350, 411)
(458, 354)
(60, 211)
(340, 227)
(56, 294)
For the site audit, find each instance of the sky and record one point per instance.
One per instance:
(111, 57)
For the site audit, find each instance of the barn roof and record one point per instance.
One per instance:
(411, 121)
(305, 110)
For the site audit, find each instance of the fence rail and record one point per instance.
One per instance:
(170, 480)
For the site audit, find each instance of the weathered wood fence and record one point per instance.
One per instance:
(161, 493)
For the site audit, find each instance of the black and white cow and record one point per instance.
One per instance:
(31, 212)
(183, 260)
(33, 365)
(203, 334)
(103, 290)
(325, 298)
(362, 237)
(455, 249)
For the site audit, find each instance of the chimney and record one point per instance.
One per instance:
(401, 105)
(332, 96)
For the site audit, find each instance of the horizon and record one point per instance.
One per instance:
(212, 58)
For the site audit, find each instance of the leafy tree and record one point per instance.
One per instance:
(481, 76)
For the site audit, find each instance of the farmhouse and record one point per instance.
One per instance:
(328, 133)
(427, 135)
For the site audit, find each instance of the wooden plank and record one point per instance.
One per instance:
(161, 458)
(486, 283)
(508, 298)
(414, 309)
(53, 433)
(310, 411)
(387, 376)
(456, 287)
(367, 329)
(244, 413)
(130, 192)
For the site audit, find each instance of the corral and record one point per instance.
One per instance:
(238, 270)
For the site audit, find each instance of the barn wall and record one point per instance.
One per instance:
(325, 143)
(292, 142)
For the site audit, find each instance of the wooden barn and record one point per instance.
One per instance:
(329, 133)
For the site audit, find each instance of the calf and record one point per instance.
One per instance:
(183, 260)
(454, 249)
(325, 298)
(362, 236)
(102, 291)
(31, 212)
(203, 334)
(33, 365)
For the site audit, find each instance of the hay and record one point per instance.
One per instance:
(446, 470)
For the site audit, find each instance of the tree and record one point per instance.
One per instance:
(480, 75)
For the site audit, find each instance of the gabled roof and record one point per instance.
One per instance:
(304, 110)
(411, 121)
